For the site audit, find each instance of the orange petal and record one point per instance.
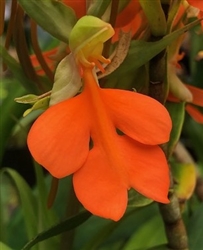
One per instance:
(59, 138)
(194, 113)
(79, 6)
(139, 116)
(172, 98)
(147, 168)
(128, 13)
(101, 184)
(196, 3)
(99, 188)
(135, 25)
(197, 94)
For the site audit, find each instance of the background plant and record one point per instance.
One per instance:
(35, 38)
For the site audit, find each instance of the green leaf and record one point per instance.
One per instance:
(156, 17)
(30, 98)
(152, 230)
(17, 70)
(9, 113)
(53, 16)
(195, 135)
(92, 233)
(159, 247)
(46, 217)
(172, 14)
(4, 247)
(177, 113)
(98, 7)
(135, 199)
(66, 225)
(141, 51)
(42, 104)
(195, 229)
(27, 199)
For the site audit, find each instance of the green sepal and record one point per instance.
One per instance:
(67, 80)
(30, 98)
(42, 103)
(88, 31)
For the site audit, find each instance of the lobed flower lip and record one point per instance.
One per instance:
(103, 174)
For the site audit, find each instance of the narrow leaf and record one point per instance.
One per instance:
(98, 8)
(66, 225)
(195, 229)
(53, 16)
(177, 113)
(4, 247)
(27, 199)
(141, 51)
(17, 70)
(8, 110)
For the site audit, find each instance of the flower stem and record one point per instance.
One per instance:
(199, 188)
(174, 225)
(22, 49)
(2, 10)
(158, 89)
(157, 77)
(38, 51)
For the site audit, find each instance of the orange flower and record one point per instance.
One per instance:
(184, 92)
(78, 6)
(48, 59)
(197, 94)
(196, 3)
(80, 136)
(199, 5)
(130, 19)
(197, 100)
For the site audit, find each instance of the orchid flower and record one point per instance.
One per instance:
(52, 56)
(196, 8)
(130, 19)
(179, 91)
(78, 6)
(48, 59)
(195, 99)
(196, 3)
(107, 138)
